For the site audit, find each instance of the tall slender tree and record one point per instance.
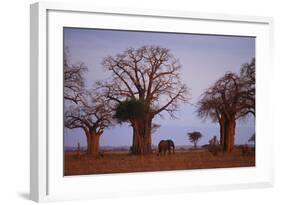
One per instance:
(194, 137)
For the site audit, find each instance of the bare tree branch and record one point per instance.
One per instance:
(149, 74)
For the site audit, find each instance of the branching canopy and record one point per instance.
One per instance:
(91, 113)
(149, 74)
(232, 96)
(73, 79)
(221, 99)
(83, 109)
(194, 136)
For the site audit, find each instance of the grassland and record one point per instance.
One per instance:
(124, 162)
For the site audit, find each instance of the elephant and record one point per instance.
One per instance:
(166, 145)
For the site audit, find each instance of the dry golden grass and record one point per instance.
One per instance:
(123, 162)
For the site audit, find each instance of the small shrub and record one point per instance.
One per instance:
(214, 149)
(246, 150)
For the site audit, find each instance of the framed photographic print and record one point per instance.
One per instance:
(127, 102)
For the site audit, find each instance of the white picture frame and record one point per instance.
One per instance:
(47, 182)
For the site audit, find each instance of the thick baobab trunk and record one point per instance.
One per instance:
(95, 145)
(230, 135)
(93, 140)
(147, 135)
(222, 133)
(137, 147)
(227, 134)
(142, 136)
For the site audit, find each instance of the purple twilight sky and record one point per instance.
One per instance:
(204, 59)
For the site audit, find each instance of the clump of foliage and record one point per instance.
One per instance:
(130, 110)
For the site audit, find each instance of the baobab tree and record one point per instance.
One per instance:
(83, 109)
(92, 115)
(229, 99)
(150, 77)
(221, 102)
(194, 137)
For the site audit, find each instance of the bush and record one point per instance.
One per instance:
(246, 150)
(214, 149)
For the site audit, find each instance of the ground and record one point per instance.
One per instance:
(123, 162)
